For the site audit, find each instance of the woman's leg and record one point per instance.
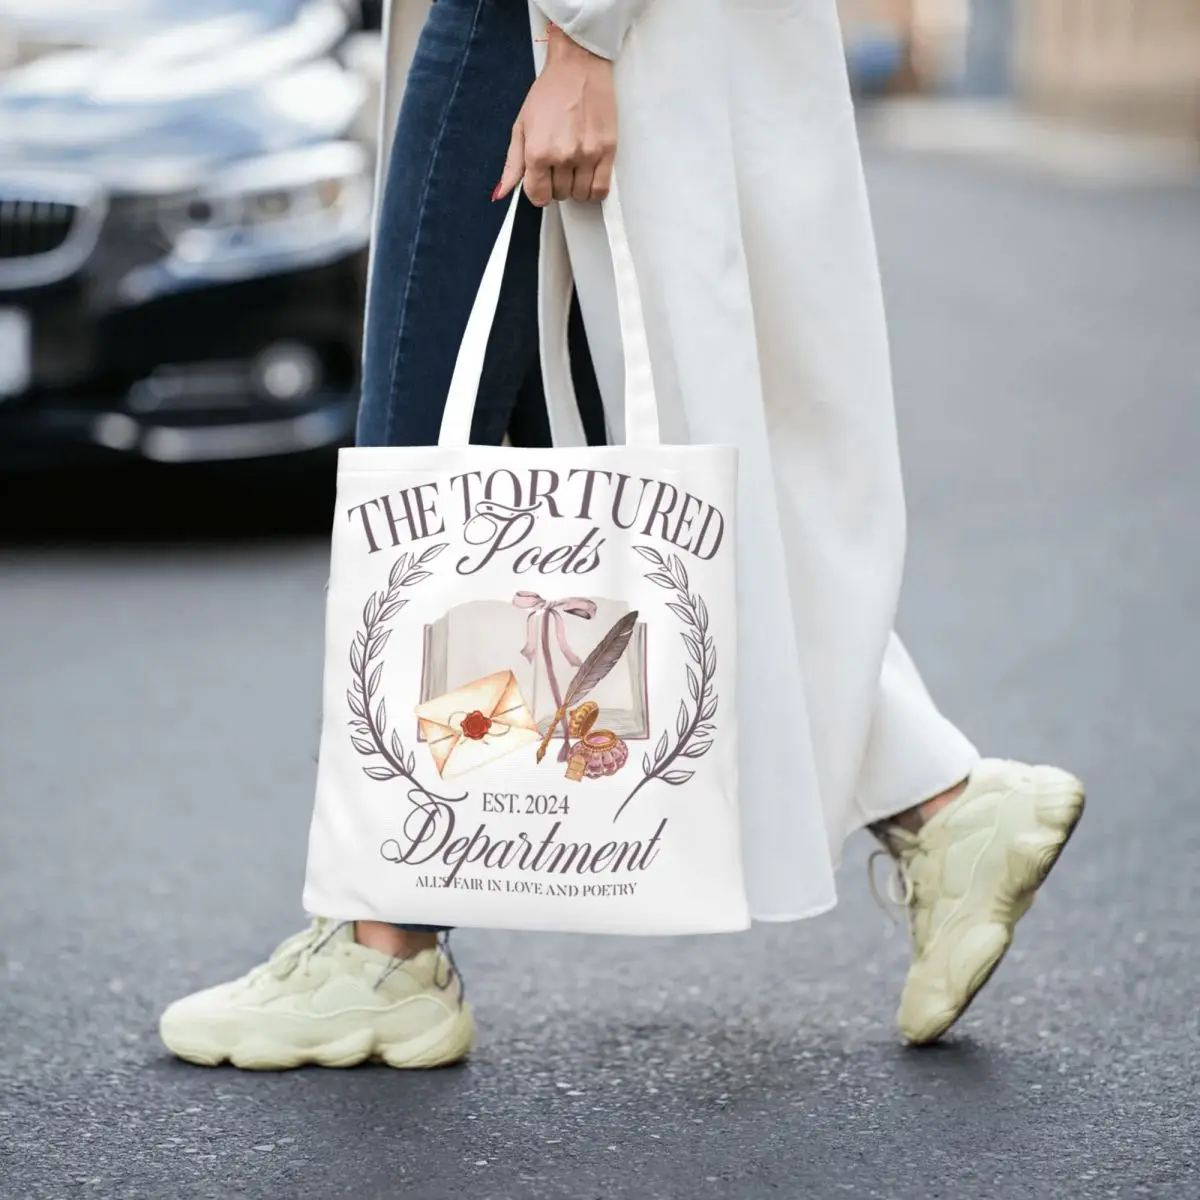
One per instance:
(437, 225)
(973, 840)
(915, 756)
(436, 228)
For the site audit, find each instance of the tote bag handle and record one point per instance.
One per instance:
(641, 404)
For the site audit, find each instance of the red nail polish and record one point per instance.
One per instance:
(496, 193)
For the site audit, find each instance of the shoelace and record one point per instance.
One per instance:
(298, 950)
(900, 889)
(452, 971)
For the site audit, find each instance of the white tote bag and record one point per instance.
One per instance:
(529, 701)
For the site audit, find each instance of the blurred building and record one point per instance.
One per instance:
(1129, 65)
(905, 46)
(988, 53)
(1125, 65)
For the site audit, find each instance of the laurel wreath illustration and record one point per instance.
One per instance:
(369, 722)
(694, 726)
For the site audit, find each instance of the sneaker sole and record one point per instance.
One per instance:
(447, 1043)
(980, 946)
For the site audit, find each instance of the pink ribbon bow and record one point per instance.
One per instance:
(577, 606)
(552, 610)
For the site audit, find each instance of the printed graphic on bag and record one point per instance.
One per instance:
(534, 699)
(542, 643)
(476, 724)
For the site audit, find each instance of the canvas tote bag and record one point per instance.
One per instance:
(529, 698)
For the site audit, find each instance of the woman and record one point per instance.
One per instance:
(743, 194)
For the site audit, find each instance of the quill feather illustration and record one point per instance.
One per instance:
(594, 668)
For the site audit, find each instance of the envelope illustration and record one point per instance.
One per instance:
(476, 724)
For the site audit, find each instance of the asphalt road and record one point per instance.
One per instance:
(159, 664)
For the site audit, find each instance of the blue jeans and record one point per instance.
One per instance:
(437, 225)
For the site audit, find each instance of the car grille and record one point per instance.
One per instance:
(49, 224)
(31, 228)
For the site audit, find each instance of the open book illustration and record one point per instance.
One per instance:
(537, 643)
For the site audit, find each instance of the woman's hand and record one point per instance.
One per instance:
(565, 137)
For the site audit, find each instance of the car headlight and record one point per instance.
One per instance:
(293, 200)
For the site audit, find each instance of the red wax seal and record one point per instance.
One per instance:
(476, 726)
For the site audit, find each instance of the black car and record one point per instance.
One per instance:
(185, 205)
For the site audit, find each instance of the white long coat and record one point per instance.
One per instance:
(744, 197)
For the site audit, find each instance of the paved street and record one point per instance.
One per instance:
(158, 721)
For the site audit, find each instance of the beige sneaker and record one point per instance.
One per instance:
(969, 876)
(322, 998)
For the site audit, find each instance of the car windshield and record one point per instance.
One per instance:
(104, 20)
